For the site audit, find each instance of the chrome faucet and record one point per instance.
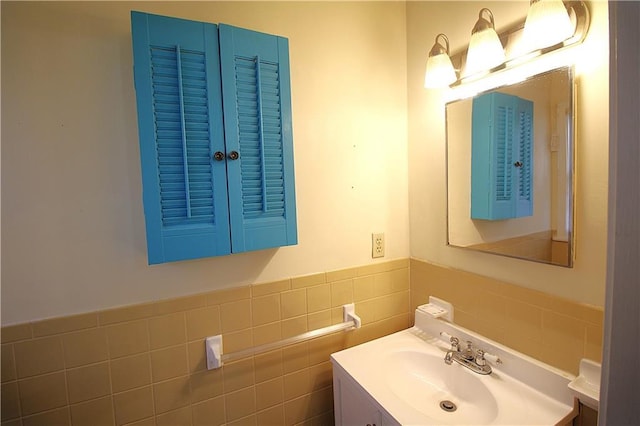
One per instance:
(474, 360)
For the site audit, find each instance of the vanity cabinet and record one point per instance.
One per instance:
(215, 135)
(501, 157)
(353, 406)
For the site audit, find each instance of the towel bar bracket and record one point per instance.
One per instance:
(349, 314)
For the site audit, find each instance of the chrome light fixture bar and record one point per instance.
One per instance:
(517, 40)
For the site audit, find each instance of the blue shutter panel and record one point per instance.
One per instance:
(257, 111)
(502, 135)
(179, 103)
(501, 164)
(481, 130)
(524, 196)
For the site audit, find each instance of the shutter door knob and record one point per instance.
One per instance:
(218, 156)
(233, 155)
(518, 164)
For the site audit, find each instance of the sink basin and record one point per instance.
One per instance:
(405, 376)
(420, 380)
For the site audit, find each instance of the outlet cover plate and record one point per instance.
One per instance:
(377, 245)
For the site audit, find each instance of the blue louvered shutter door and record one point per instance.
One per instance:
(503, 191)
(257, 114)
(493, 174)
(524, 146)
(481, 157)
(179, 102)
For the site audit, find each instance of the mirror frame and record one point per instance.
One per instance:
(571, 184)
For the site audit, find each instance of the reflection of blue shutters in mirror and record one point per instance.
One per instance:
(179, 103)
(257, 111)
(524, 196)
(501, 158)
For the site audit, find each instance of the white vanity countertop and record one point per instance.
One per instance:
(406, 374)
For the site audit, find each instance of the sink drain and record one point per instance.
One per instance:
(448, 406)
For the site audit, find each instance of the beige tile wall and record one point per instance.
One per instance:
(554, 330)
(145, 364)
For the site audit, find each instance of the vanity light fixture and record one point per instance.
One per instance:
(489, 53)
(440, 71)
(548, 23)
(485, 49)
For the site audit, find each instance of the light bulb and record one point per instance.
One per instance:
(439, 72)
(485, 49)
(547, 24)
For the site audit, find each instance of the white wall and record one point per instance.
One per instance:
(73, 229)
(427, 173)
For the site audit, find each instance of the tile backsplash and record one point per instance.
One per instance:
(145, 364)
(556, 331)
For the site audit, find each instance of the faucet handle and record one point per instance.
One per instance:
(445, 334)
(455, 343)
(492, 358)
(482, 357)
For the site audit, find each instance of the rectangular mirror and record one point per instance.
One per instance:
(510, 154)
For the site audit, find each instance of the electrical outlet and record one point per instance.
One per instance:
(377, 245)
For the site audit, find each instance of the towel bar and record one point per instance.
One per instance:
(216, 358)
